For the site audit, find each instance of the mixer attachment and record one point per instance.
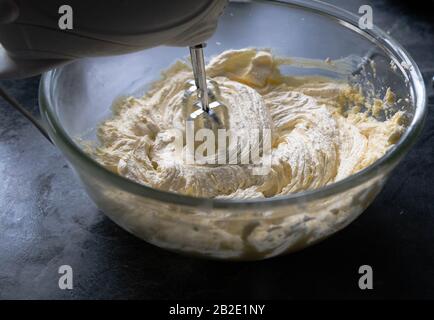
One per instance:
(212, 115)
(216, 115)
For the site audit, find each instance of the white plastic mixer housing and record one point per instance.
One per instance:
(32, 41)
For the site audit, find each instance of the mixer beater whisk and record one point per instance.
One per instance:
(212, 115)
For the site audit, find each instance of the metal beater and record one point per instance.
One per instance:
(213, 114)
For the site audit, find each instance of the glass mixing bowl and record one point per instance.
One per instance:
(75, 98)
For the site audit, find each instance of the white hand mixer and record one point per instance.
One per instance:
(32, 41)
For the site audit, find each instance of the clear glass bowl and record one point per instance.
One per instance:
(75, 98)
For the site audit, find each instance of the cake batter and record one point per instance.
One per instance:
(322, 130)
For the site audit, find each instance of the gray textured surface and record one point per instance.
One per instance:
(47, 220)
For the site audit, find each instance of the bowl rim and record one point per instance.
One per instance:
(386, 162)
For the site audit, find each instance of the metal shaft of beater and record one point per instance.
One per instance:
(198, 63)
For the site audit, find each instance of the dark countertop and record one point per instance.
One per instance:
(46, 220)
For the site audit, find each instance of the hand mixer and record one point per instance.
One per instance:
(32, 41)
